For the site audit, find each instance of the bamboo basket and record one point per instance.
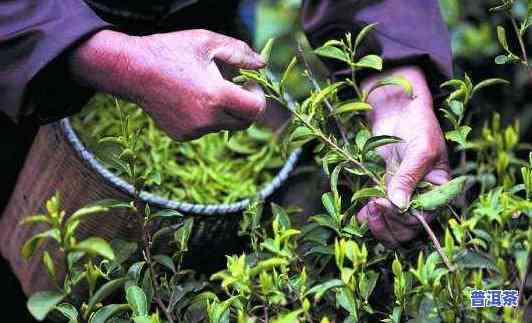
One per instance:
(58, 161)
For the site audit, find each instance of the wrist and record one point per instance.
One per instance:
(105, 62)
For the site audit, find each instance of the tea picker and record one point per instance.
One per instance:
(160, 55)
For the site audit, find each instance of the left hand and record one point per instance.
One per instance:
(421, 155)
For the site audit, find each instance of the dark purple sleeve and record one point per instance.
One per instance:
(34, 38)
(408, 32)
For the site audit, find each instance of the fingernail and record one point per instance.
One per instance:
(400, 199)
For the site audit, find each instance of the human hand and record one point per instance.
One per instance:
(174, 78)
(422, 154)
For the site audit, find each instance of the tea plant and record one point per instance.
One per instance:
(340, 264)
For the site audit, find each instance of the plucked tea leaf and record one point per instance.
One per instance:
(42, 303)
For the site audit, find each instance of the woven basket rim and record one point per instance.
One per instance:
(161, 202)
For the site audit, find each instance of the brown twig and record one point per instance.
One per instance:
(434, 239)
(523, 282)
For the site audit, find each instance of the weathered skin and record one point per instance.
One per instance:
(174, 78)
(421, 155)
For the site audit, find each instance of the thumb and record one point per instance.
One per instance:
(412, 169)
(245, 103)
(235, 52)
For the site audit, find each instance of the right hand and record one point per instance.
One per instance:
(173, 77)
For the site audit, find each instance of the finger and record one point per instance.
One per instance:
(438, 176)
(228, 122)
(412, 169)
(241, 103)
(400, 227)
(374, 214)
(235, 52)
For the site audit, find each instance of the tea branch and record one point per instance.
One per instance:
(339, 125)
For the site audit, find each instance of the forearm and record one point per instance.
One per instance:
(104, 62)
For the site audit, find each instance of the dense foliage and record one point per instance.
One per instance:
(330, 269)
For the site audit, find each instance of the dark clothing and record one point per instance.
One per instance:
(35, 34)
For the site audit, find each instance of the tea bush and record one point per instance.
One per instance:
(329, 269)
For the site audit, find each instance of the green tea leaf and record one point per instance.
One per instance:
(320, 289)
(289, 317)
(501, 36)
(352, 107)
(489, 82)
(95, 246)
(42, 303)
(332, 52)
(459, 135)
(367, 192)
(68, 311)
(378, 141)
(267, 50)
(474, 259)
(286, 75)
(363, 33)
(48, 264)
(165, 261)
(370, 61)
(31, 245)
(166, 214)
(137, 300)
(105, 313)
(103, 292)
